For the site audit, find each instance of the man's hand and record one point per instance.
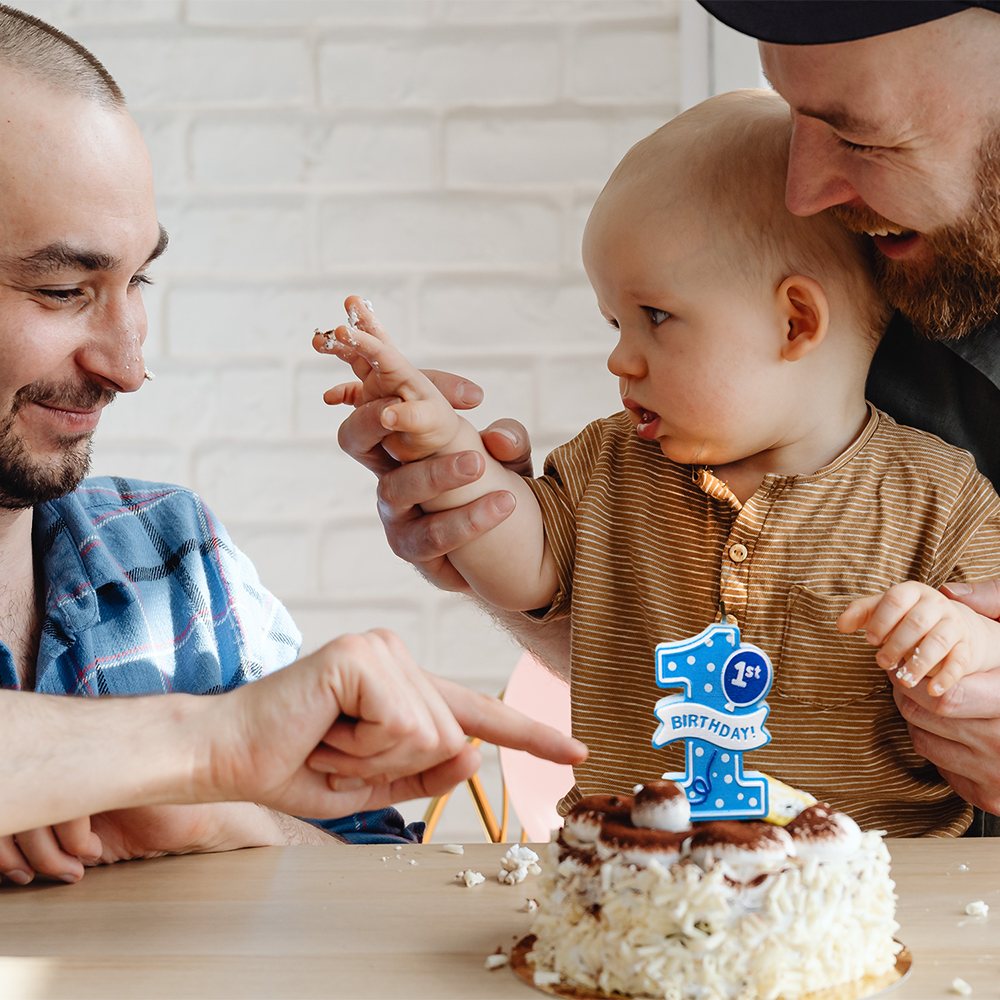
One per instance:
(63, 851)
(424, 540)
(959, 733)
(982, 597)
(358, 725)
(59, 852)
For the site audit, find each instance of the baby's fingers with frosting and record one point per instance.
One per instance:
(327, 343)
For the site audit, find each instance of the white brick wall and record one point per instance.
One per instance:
(437, 157)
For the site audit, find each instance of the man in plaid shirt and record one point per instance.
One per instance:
(107, 586)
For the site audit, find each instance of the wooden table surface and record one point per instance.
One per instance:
(342, 922)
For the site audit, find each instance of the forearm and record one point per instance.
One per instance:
(511, 565)
(290, 831)
(549, 641)
(68, 757)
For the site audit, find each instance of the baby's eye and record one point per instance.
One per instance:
(657, 316)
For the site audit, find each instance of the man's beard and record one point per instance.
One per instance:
(26, 481)
(958, 292)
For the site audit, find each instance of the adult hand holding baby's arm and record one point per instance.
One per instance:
(509, 566)
(924, 634)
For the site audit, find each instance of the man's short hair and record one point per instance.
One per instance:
(37, 49)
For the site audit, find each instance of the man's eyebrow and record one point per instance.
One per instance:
(161, 246)
(842, 120)
(61, 256)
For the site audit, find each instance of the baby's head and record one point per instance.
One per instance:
(735, 316)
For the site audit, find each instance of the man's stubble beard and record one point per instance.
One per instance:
(959, 291)
(25, 481)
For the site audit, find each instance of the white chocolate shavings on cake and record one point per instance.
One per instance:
(977, 909)
(542, 978)
(470, 878)
(517, 864)
(453, 848)
(641, 930)
(497, 961)
(961, 987)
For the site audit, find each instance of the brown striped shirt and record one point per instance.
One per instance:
(647, 548)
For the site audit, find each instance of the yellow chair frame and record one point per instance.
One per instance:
(496, 833)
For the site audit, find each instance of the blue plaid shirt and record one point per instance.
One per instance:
(145, 592)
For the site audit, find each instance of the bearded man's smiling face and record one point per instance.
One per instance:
(77, 230)
(898, 136)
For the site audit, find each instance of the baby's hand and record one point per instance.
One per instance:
(922, 634)
(422, 421)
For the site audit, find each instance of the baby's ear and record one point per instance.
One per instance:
(805, 314)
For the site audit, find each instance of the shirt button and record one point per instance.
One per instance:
(738, 552)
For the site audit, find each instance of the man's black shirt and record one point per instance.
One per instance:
(952, 389)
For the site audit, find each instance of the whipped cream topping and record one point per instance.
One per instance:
(745, 850)
(661, 805)
(822, 834)
(584, 821)
(640, 846)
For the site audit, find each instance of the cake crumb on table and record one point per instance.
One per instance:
(977, 909)
(961, 987)
(517, 864)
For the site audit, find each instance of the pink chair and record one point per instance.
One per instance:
(536, 786)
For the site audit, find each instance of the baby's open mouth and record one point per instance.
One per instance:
(648, 419)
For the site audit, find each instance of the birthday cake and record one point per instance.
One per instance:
(639, 901)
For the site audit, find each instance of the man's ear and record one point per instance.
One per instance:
(805, 315)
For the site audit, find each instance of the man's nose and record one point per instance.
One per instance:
(815, 176)
(112, 352)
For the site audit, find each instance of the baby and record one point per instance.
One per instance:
(746, 468)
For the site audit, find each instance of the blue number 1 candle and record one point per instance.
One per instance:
(720, 715)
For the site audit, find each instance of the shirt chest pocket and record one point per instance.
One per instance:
(819, 664)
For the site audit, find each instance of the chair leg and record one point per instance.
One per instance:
(486, 815)
(505, 818)
(433, 814)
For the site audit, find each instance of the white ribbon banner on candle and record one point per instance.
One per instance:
(681, 719)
